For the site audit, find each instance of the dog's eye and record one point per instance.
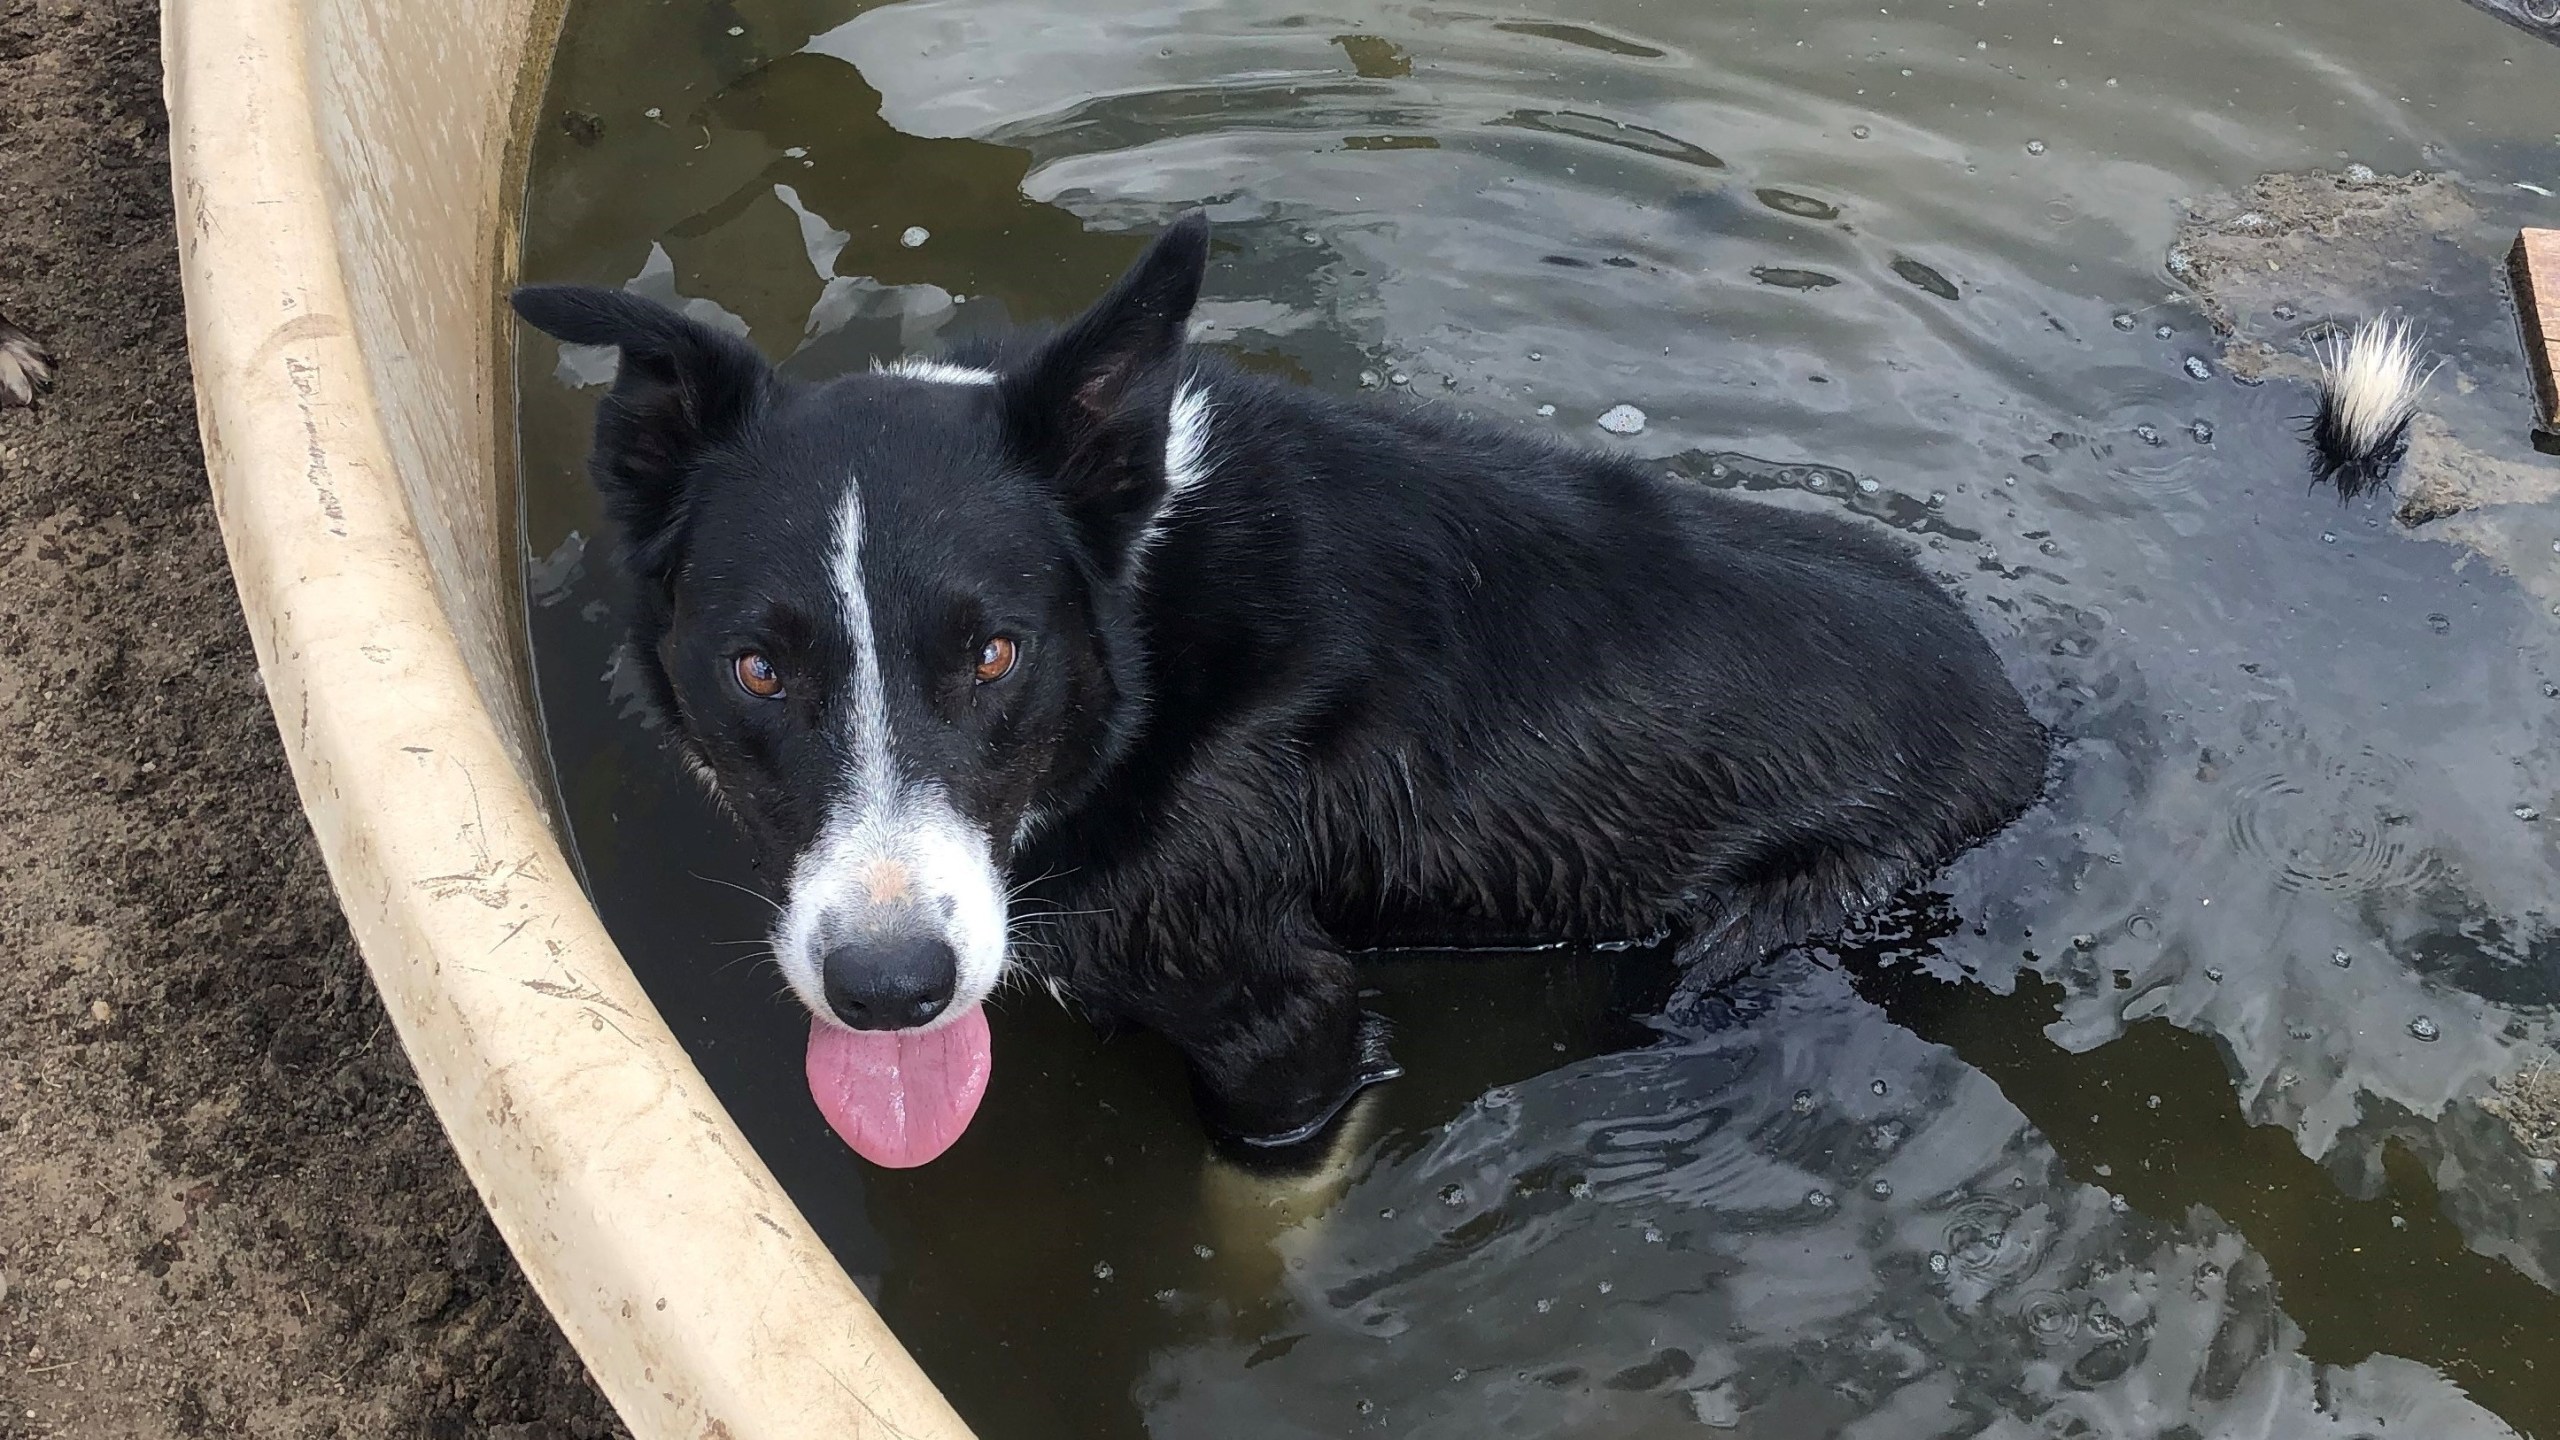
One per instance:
(757, 676)
(995, 659)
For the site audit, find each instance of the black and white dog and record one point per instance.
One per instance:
(1217, 679)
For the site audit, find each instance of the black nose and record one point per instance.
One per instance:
(890, 984)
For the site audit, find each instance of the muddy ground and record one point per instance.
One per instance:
(224, 1207)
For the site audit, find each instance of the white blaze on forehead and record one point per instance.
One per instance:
(941, 372)
(893, 855)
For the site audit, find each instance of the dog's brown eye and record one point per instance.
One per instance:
(995, 659)
(757, 676)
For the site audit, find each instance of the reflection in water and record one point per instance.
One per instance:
(1813, 1223)
(2201, 1147)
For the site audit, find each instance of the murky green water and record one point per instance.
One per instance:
(2134, 1128)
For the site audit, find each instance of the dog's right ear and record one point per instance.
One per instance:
(682, 387)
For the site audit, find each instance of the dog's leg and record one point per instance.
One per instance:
(1277, 1041)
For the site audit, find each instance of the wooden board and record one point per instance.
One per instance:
(2534, 266)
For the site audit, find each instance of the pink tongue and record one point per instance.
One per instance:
(899, 1097)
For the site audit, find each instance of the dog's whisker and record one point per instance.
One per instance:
(770, 902)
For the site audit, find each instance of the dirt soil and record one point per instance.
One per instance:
(224, 1207)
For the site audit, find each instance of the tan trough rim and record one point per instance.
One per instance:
(697, 1294)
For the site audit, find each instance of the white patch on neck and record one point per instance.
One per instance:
(893, 856)
(940, 372)
(1186, 459)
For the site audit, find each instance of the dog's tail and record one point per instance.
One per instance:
(2369, 383)
(26, 371)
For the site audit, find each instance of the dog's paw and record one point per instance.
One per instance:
(26, 370)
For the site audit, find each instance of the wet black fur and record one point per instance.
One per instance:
(2336, 459)
(1384, 675)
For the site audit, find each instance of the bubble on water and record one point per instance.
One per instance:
(2424, 1028)
(2197, 368)
(2181, 264)
(2117, 1204)
(1102, 1270)
(1938, 1263)
(2284, 311)
(1868, 486)
(653, 112)
(1546, 410)
(1608, 1285)
(2526, 813)
(1879, 1087)
(1820, 481)
(1366, 1406)
(1399, 378)
(1881, 1188)
(1803, 1103)
(2202, 430)
(1534, 355)
(2149, 434)
(737, 29)
(2550, 691)
(1545, 1305)
(1652, 1235)
(1937, 499)
(2361, 174)
(913, 236)
(2298, 1031)
(1818, 1199)
(1453, 1196)
(2124, 320)
(1371, 380)
(1622, 420)
(2328, 537)
(1312, 238)
(1858, 132)
(2213, 973)
(1501, 1097)
(2341, 959)
(2162, 332)
(1204, 1252)
(2440, 623)
(1579, 1189)
(795, 152)
(2152, 1103)
(2035, 147)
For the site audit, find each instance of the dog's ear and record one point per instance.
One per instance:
(682, 387)
(1093, 411)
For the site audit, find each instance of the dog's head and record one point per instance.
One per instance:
(886, 616)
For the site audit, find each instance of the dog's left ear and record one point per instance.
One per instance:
(1093, 411)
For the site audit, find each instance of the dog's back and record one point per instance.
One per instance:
(1468, 683)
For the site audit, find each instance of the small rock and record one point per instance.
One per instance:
(101, 1011)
